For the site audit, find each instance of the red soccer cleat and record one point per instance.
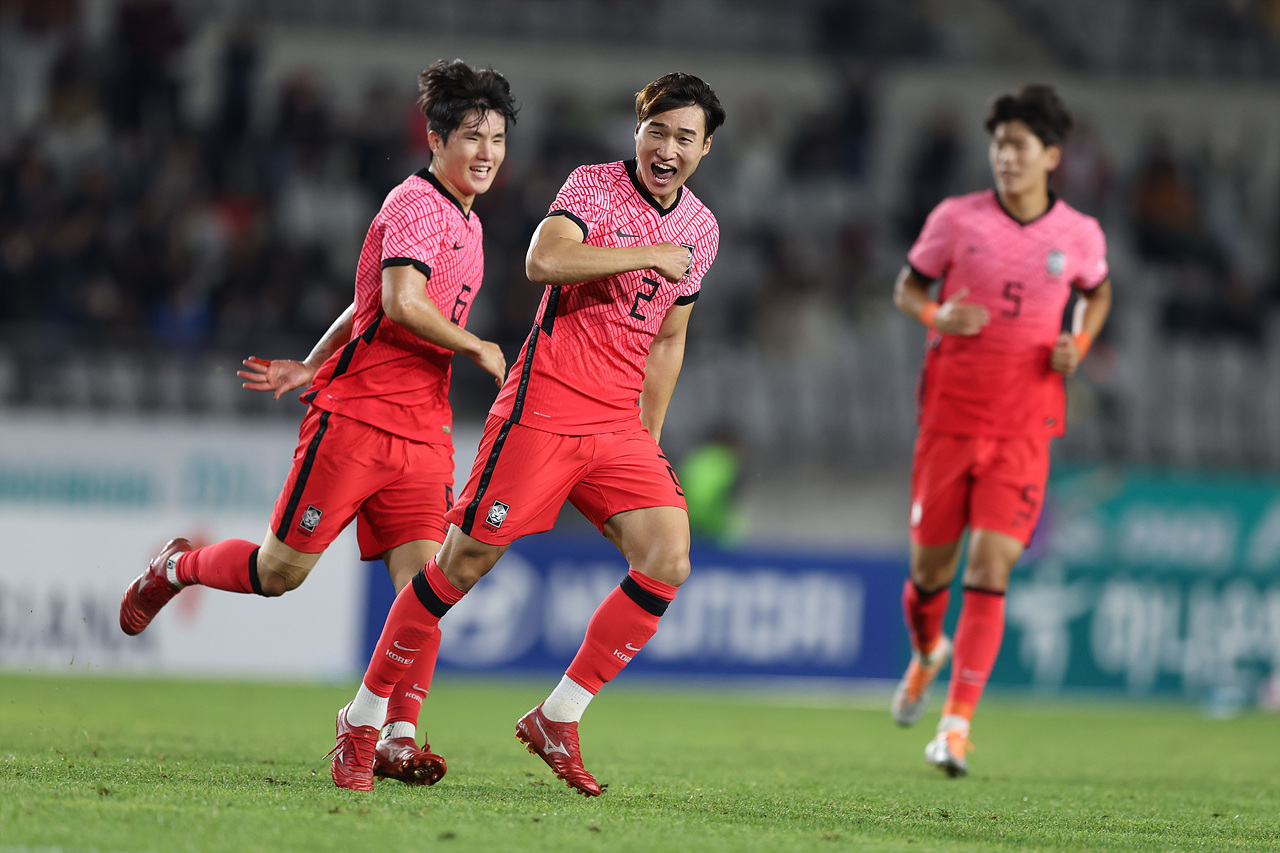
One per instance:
(353, 755)
(400, 758)
(151, 590)
(557, 744)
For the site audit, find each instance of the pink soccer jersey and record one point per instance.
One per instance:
(582, 367)
(386, 376)
(998, 382)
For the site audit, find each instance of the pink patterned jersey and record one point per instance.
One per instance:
(998, 382)
(582, 367)
(386, 376)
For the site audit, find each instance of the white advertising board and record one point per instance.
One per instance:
(84, 506)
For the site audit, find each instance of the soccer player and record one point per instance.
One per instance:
(991, 396)
(375, 444)
(621, 255)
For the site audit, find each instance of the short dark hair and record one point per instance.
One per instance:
(1038, 107)
(675, 90)
(450, 91)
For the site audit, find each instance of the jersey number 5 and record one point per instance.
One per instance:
(1013, 293)
(635, 306)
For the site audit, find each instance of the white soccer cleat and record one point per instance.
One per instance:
(946, 752)
(912, 693)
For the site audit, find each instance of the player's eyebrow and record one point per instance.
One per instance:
(664, 126)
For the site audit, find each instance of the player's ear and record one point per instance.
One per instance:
(1054, 153)
(706, 146)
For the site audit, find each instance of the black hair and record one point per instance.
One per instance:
(448, 92)
(675, 90)
(1038, 107)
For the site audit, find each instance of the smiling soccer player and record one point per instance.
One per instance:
(991, 396)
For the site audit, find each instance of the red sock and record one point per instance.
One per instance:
(406, 636)
(924, 614)
(230, 565)
(620, 627)
(977, 644)
(406, 700)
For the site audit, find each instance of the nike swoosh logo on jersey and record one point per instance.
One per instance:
(631, 648)
(549, 745)
(418, 688)
(396, 643)
(457, 247)
(620, 233)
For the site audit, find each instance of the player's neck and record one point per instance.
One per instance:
(1027, 206)
(462, 198)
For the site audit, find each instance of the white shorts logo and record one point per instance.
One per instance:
(310, 519)
(497, 514)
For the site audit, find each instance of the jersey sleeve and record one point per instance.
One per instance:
(930, 255)
(412, 234)
(582, 198)
(1095, 270)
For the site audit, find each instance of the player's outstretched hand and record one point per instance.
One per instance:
(957, 317)
(279, 376)
(492, 361)
(672, 261)
(1066, 355)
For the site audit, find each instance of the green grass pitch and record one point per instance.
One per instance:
(92, 764)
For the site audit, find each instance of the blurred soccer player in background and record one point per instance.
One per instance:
(621, 254)
(991, 396)
(376, 442)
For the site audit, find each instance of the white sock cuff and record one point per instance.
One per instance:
(367, 709)
(401, 728)
(567, 702)
(171, 568)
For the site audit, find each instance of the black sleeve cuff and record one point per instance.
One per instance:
(571, 217)
(408, 262)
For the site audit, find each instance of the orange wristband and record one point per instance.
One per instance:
(1083, 342)
(927, 313)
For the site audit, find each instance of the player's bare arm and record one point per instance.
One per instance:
(666, 356)
(952, 317)
(557, 255)
(405, 302)
(282, 375)
(1090, 316)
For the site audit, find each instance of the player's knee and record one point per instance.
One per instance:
(275, 581)
(987, 574)
(672, 569)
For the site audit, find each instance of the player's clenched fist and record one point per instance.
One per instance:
(672, 261)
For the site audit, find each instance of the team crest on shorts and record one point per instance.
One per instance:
(310, 519)
(1057, 262)
(497, 514)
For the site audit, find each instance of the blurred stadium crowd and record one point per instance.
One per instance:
(144, 251)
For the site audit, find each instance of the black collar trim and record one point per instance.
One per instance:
(644, 193)
(1053, 200)
(426, 175)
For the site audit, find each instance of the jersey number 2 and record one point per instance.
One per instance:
(635, 306)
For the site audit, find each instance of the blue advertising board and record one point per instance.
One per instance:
(742, 613)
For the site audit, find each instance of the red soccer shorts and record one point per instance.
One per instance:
(397, 490)
(522, 476)
(960, 481)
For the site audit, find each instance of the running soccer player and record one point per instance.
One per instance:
(991, 396)
(621, 254)
(375, 444)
